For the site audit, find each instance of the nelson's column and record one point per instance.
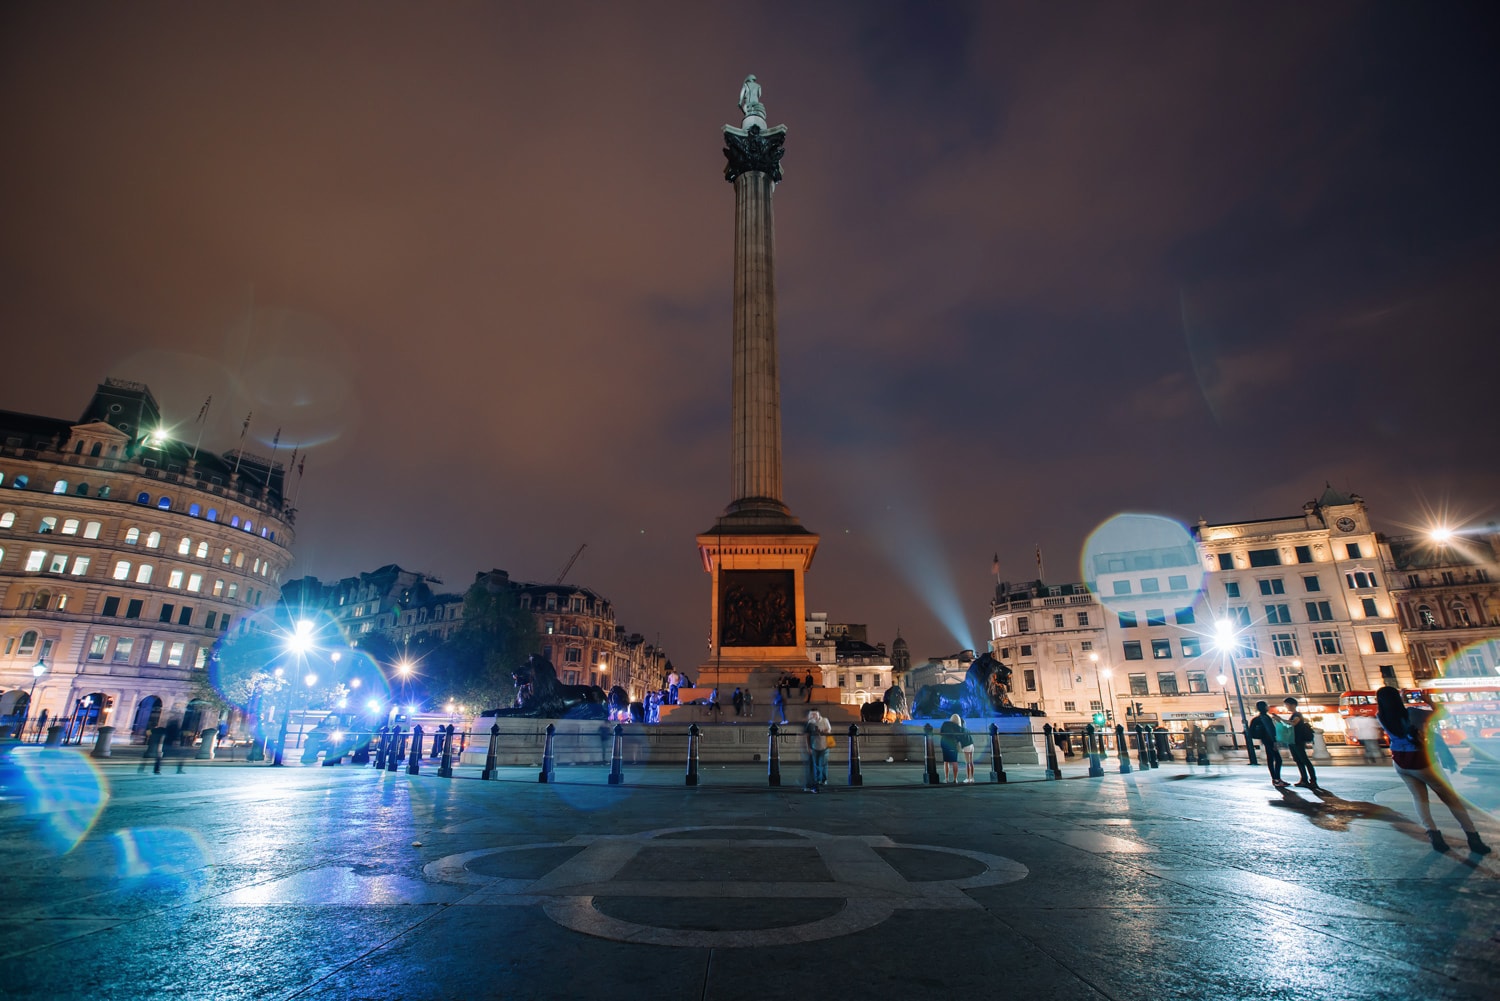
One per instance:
(757, 551)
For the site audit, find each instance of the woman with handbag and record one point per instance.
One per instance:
(948, 735)
(825, 744)
(1406, 726)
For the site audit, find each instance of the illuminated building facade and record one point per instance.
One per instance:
(844, 659)
(125, 556)
(1052, 637)
(1447, 596)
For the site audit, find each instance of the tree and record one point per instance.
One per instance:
(474, 666)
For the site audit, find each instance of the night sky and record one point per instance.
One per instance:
(1038, 265)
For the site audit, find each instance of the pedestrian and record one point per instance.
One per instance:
(713, 703)
(1263, 729)
(749, 703)
(1366, 730)
(778, 705)
(812, 737)
(674, 681)
(1302, 735)
(966, 747)
(807, 686)
(739, 702)
(948, 736)
(825, 744)
(1407, 728)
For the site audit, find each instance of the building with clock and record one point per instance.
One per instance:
(125, 557)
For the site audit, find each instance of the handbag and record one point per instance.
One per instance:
(828, 742)
(1283, 733)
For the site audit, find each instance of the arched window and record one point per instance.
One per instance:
(143, 498)
(272, 536)
(239, 559)
(91, 530)
(249, 525)
(82, 490)
(78, 448)
(7, 519)
(234, 521)
(218, 589)
(98, 447)
(165, 503)
(228, 555)
(213, 514)
(114, 450)
(194, 510)
(203, 549)
(41, 601)
(70, 527)
(28, 641)
(122, 570)
(153, 540)
(143, 575)
(62, 601)
(1460, 613)
(48, 524)
(132, 536)
(1427, 619)
(185, 547)
(60, 487)
(104, 490)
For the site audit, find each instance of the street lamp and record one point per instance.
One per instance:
(1104, 677)
(299, 644)
(38, 670)
(1225, 640)
(1224, 690)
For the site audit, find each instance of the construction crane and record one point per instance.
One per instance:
(571, 560)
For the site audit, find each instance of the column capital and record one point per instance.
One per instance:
(753, 149)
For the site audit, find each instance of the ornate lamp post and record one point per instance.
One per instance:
(37, 670)
(1225, 638)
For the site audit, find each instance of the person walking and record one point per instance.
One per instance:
(1263, 729)
(738, 698)
(948, 735)
(812, 737)
(778, 705)
(1302, 735)
(1406, 726)
(1366, 730)
(825, 743)
(807, 686)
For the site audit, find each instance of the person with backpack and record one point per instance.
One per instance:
(1263, 729)
(1301, 734)
(1406, 726)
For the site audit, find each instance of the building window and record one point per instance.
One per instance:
(1184, 616)
(213, 514)
(1278, 614)
(1458, 611)
(1265, 557)
(1128, 620)
(1025, 649)
(1138, 685)
(195, 582)
(1310, 583)
(1133, 650)
(1070, 707)
(58, 563)
(123, 646)
(1087, 645)
(1192, 646)
(218, 588)
(1057, 621)
(1023, 623)
(1246, 647)
(229, 554)
(1357, 579)
(1285, 644)
(1150, 585)
(166, 613)
(111, 607)
(1029, 676)
(1197, 682)
(80, 565)
(143, 573)
(1231, 589)
(1252, 679)
(1226, 562)
(1378, 643)
(213, 617)
(70, 527)
(1304, 554)
(1122, 587)
(1161, 649)
(174, 579)
(1239, 615)
(1319, 611)
(1156, 616)
(1272, 585)
(8, 519)
(1177, 582)
(1352, 550)
(98, 647)
(133, 608)
(185, 617)
(1326, 641)
(1166, 682)
(1336, 678)
(1083, 618)
(174, 654)
(35, 560)
(234, 592)
(573, 655)
(1293, 680)
(154, 652)
(153, 540)
(91, 530)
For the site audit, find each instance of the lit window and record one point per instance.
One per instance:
(123, 646)
(143, 498)
(213, 514)
(122, 570)
(98, 647)
(202, 550)
(60, 487)
(227, 554)
(249, 525)
(218, 588)
(58, 563)
(194, 510)
(185, 547)
(174, 579)
(91, 530)
(47, 526)
(154, 651)
(28, 641)
(195, 583)
(143, 574)
(234, 522)
(7, 519)
(80, 566)
(153, 540)
(36, 559)
(70, 527)
(234, 590)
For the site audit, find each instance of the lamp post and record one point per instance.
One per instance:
(1228, 716)
(1104, 677)
(298, 644)
(1225, 640)
(37, 670)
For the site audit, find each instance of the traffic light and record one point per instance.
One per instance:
(1140, 710)
(1109, 715)
(1098, 719)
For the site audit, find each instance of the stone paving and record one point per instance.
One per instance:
(230, 880)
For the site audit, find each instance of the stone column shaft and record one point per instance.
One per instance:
(756, 451)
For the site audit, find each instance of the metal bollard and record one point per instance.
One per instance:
(1053, 771)
(692, 762)
(1093, 741)
(492, 756)
(437, 742)
(617, 758)
(549, 762)
(855, 778)
(445, 767)
(773, 755)
(997, 766)
(393, 755)
(1141, 760)
(929, 762)
(362, 752)
(1164, 744)
(54, 736)
(414, 763)
(1122, 750)
(382, 739)
(1151, 745)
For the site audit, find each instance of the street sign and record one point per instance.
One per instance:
(1194, 715)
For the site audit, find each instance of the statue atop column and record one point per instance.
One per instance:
(750, 104)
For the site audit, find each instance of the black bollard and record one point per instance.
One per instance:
(929, 763)
(1053, 771)
(445, 767)
(773, 755)
(1164, 744)
(1151, 745)
(392, 751)
(380, 739)
(437, 742)
(1121, 749)
(1141, 761)
(362, 752)
(493, 755)
(1092, 740)
(692, 764)
(997, 766)
(549, 762)
(414, 763)
(855, 778)
(617, 758)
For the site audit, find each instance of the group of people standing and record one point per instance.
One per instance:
(1295, 733)
(817, 739)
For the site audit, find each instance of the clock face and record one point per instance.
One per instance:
(1345, 524)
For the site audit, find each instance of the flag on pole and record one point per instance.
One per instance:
(301, 467)
(995, 567)
(1039, 573)
(202, 413)
(245, 427)
(275, 440)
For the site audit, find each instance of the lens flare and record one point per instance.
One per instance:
(60, 789)
(1133, 554)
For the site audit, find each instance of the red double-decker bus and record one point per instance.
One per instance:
(1467, 707)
